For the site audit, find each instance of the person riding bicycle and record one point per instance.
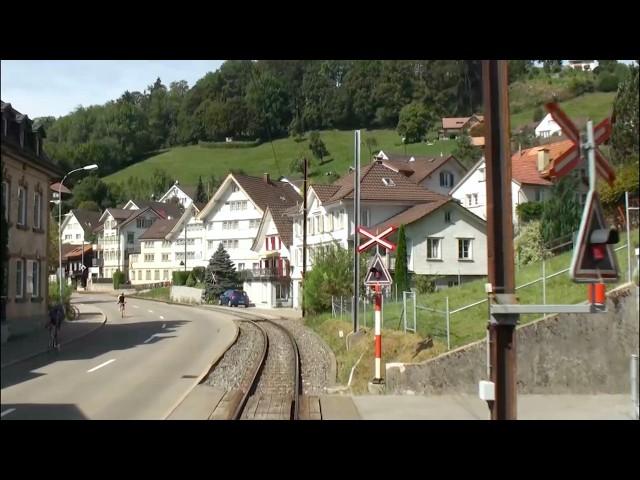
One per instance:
(56, 316)
(121, 300)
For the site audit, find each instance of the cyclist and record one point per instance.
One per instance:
(121, 303)
(56, 315)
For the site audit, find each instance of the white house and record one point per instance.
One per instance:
(444, 240)
(184, 194)
(438, 174)
(547, 127)
(530, 179)
(586, 65)
(78, 225)
(155, 263)
(384, 193)
(233, 217)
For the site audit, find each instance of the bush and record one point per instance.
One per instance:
(198, 274)
(252, 144)
(180, 277)
(581, 84)
(529, 211)
(191, 282)
(608, 82)
(529, 244)
(538, 114)
(425, 284)
(118, 279)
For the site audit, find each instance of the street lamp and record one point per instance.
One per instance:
(88, 167)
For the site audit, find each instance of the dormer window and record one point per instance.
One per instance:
(446, 179)
(388, 182)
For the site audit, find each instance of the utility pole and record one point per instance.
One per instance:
(356, 224)
(502, 339)
(304, 232)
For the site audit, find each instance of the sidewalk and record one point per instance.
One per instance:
(21, 348)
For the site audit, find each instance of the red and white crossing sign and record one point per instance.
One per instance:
(571, 158)
(376, 238)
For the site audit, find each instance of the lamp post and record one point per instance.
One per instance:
(88, 167)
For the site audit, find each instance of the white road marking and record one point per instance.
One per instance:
(164, 325)
(161, 317)
(7, 412)
(149, 339)
(150, 311)
(101, 365)
(135, 306)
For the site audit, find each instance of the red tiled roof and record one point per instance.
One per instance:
(412, 214)
(325, 192)
(525, 164)
(420, 168)
(270, 194)
(77, 251)
(159, 229)
(55, 186)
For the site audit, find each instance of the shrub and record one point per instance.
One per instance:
(538, 114)
(118, 279)
(198, 274)
(608, 82)
(191, 282)
(54, 295)
(529, 244)
(581, 84)
(425, 284)
(252, 144)
(180, 277)
(529, 211)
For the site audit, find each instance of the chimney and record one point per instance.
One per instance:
(265, 177)
(543, 159)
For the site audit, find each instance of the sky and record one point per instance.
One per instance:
(40, 88)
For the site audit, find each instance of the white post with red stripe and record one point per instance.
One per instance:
(378, 334)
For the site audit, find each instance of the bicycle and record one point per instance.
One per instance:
(122, 309)
(53, 337)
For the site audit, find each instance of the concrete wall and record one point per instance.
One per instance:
(580, 354)
(186, 294)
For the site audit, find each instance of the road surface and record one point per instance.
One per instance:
(137, 367)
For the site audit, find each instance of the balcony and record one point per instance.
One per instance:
(97, 262)
(267, 273)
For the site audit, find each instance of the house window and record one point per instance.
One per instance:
(230, 224)
(447, 217)
(130, 238)
(165, 274)
(148, 257)
(77, 236)
(139, 274)
(464, 249)
(388, 182)
(22, 206)
(365, 217)
(539, 194)
(273, 243)
(256, 266)
(482, 174)
(148, 244)
(229, 243)
(165, 257)
(5, 200)
(19, 278)
(68, 236)
(475, 199)
(166, 244)
(446, 179)
(148, 275)
(469, 197)
(35, 289)
(433, 248)
(156, 274)
(336, 221)
(254, 223)
(452, 283)
(37, 210)
(241, 266)
(234, 187)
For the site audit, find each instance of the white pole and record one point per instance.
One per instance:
(404, 309)
(544, 283)
(60, 237)
(448, 323)
(626, 206)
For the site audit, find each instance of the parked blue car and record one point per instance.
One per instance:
(234, 298)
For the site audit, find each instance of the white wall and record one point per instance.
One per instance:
(174, 192)
(462, 225)
(432, 182)
(72, 229)
(474, 185)
(547, 127)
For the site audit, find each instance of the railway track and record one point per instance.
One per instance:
(271, 387)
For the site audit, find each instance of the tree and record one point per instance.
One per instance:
(89, 205)
(519, 69)
(52, 244)
(94, 189)
(465, 151)
(372, 144)
(624, 139)
(552, 66)
(221, 275)
(317, 146)
(538, 114)
(201, 195)
(401, 272)
(413, 122)
(561, 213)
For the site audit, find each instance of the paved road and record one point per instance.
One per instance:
(138, 367)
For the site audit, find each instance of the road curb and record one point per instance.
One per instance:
(67, 342)
(204, 374)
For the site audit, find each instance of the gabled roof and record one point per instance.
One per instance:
(77, 251)
(459, 122)
(159, 229)
(118, 214)
(467, 175)
(325, 192)
(87, 219)
(419, 168)
(55, 187)
(190, 191)
(373, 188)
(417, 212)
(283, 224)
(525, 164)
(164, 209)
(137, 213)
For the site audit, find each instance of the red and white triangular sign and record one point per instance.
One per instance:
(583, 267)
(377, 273)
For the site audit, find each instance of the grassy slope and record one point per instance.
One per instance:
(596, 106)
(187, 163)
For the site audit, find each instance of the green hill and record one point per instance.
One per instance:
(187, 163)
(596, 106)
